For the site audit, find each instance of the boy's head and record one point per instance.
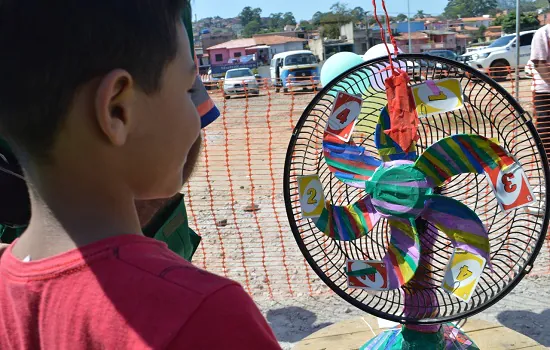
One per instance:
(100, 88)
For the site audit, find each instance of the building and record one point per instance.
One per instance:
(264, 47)
(493, 33)
(416, 26)
(427, 40)
(477, 22)
(212, 39)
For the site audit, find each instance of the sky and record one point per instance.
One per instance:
(304, 9)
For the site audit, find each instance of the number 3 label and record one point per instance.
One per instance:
(312, 198)
(511, 187)
(344, 116)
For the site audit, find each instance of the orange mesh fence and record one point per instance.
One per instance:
(235, 199)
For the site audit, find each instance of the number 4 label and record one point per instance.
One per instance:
(344, 115)
(511, 187)
(312, 198)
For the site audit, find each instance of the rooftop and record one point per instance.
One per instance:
(256, 41)
(474, 19)
(234, 44)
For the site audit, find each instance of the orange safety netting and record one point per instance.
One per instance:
(235, 199)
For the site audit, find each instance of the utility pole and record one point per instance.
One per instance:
(367, 29)
(517, 49)
(409, 24)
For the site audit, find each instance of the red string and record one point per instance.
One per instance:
(383, 34)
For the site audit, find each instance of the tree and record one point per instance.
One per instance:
(248, 14)
(524, 5)
(527, 21)
(479, 35)
(358, 14)
(306, 25)
(253, 27)
(401, 17)
(331, 31)
(469, 8)
(275, 21)
(316, 19)
(419, 14)
(288, 18)
(340, 9)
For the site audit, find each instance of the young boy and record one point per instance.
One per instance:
(93, 94)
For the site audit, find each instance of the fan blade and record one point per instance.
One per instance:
(348, 223)
(388, 149)
(350, 163)
(459, 154)
(403, 253)
(460, 223)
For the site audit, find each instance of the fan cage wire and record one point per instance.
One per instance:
(515, 237)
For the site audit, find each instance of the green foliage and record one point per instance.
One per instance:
(331, 31)
(524, 5)
(358, 14)
(401, 17)
(420, 14)
(527, 21)
(251, 28)
(469, 8)
(275, 21)
(306, 25)
(248, 14)
(479, 36)
(340, 14)
(288, 19)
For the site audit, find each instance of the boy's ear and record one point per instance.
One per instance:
(113, 105)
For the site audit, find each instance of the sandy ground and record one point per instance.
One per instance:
(235, 202)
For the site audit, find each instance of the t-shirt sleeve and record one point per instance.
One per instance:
(539, 46)
(227, 319)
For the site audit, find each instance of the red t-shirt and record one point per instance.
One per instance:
(126, 292)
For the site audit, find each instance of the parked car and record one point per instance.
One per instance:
(501, 54)
(212, 81)
(295, 69)
(240, 81)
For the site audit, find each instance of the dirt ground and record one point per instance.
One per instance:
(235, 202)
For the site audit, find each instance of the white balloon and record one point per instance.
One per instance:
(379, 50)
(381, 71)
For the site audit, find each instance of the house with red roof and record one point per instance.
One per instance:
(264, 47)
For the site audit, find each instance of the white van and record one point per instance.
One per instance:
(295, 69)
(500, 54)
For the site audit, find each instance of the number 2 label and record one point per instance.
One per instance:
(312, 199)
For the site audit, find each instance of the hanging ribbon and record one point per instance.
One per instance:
(401, 107)
(383, 35)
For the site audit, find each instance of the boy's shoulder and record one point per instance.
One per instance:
(151, 262)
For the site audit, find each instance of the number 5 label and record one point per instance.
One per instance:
(511, 187)
(312, 198)
(344, 115)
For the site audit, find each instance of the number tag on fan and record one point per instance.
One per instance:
(312, 198)
(463, 274)
(510, 187)
(437, 96)
(368, 274)
(344, 115)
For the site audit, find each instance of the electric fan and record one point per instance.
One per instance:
(420, 220)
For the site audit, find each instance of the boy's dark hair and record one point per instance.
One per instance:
(49, 48)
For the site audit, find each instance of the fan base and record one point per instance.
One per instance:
(448, 337)
(352, 334)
